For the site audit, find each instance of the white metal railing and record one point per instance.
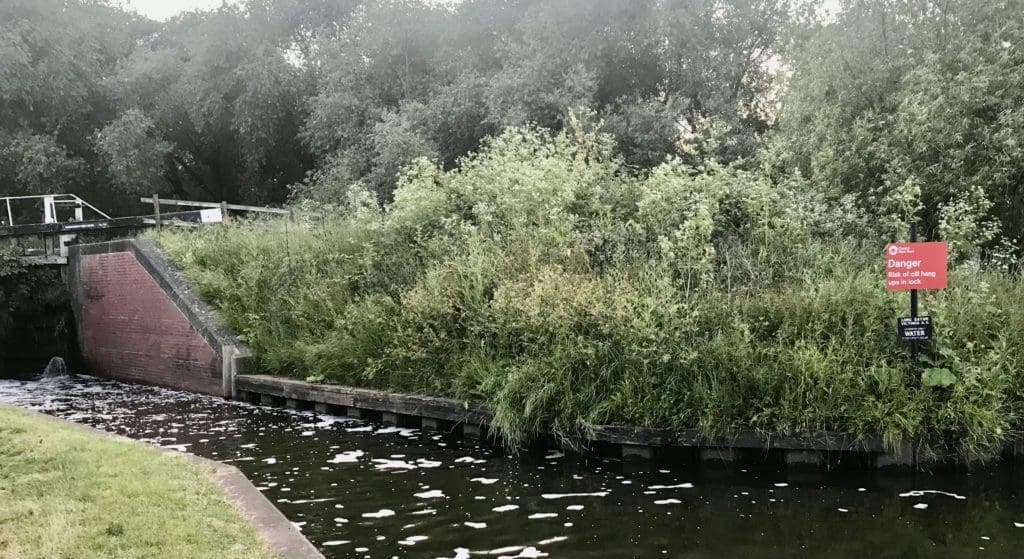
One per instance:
(50, 204)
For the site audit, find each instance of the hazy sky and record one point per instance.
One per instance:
(165, 9)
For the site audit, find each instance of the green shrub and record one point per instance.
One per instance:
(543, 280)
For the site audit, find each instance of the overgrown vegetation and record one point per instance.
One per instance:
(546, 280)
(65, 492)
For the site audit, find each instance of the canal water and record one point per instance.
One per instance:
(362, 490)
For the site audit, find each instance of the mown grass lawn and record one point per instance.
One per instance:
(69, 493)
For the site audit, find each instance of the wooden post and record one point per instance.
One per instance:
(156, 211)
(224, 211)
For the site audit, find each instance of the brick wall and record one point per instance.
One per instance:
(129, 329)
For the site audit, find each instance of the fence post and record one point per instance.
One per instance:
(224, 211)
(156, 211)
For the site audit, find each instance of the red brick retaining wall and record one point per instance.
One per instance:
(130, 330)
(138, 321)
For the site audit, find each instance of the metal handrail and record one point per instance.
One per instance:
(57, 198)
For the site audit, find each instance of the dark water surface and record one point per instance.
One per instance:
(362, 490)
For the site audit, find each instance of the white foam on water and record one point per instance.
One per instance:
(307, 501)
(921, 506)
(924, 492)
(526, 553)
(347, 457)
(555, 455)
(679, 486)
(460, 553)
(1018, 524)
(843, 510)
(505, 508)
(573, 495)
(334, 543)
(412, 540)
(425, 511)
(433, 494)
(366, 429)
(502, 550)
(423, 463)
(574, 507)
(382, 513)
(307, 433)
(668, 502)
(484, 480)
(340, 520)
(382, 464)
(403, 431)
(177, 447)
(269, 460)
(475, 525)
(555, 539)
(782, 484)
(541, 515)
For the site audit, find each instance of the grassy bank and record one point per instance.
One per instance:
(542, 278)
(65, 492)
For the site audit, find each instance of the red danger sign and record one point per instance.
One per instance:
(915, 266)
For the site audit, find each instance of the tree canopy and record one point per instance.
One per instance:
(898, 109)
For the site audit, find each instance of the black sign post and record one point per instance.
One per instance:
(913, 300)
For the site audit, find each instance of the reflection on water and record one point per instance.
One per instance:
(362, 490)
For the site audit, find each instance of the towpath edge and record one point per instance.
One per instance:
(281, 537)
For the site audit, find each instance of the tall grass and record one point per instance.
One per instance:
(541, 279)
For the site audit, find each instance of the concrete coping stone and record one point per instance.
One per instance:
(281, 537)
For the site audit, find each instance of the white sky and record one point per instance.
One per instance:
(165, 9)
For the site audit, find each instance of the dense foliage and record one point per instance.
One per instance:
(242, 103)
(546, 280)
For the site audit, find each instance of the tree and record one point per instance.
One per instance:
(458, 74)
(913, 98)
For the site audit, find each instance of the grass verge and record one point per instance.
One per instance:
(68, 493)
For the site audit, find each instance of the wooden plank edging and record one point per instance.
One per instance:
(447, 409)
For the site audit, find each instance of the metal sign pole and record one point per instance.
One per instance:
(913, 295)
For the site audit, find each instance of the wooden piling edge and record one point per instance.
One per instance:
(633, 442)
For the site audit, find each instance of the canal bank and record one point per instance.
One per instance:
(109, 496)
(139, 319)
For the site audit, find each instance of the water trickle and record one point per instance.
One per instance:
(55, 368)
